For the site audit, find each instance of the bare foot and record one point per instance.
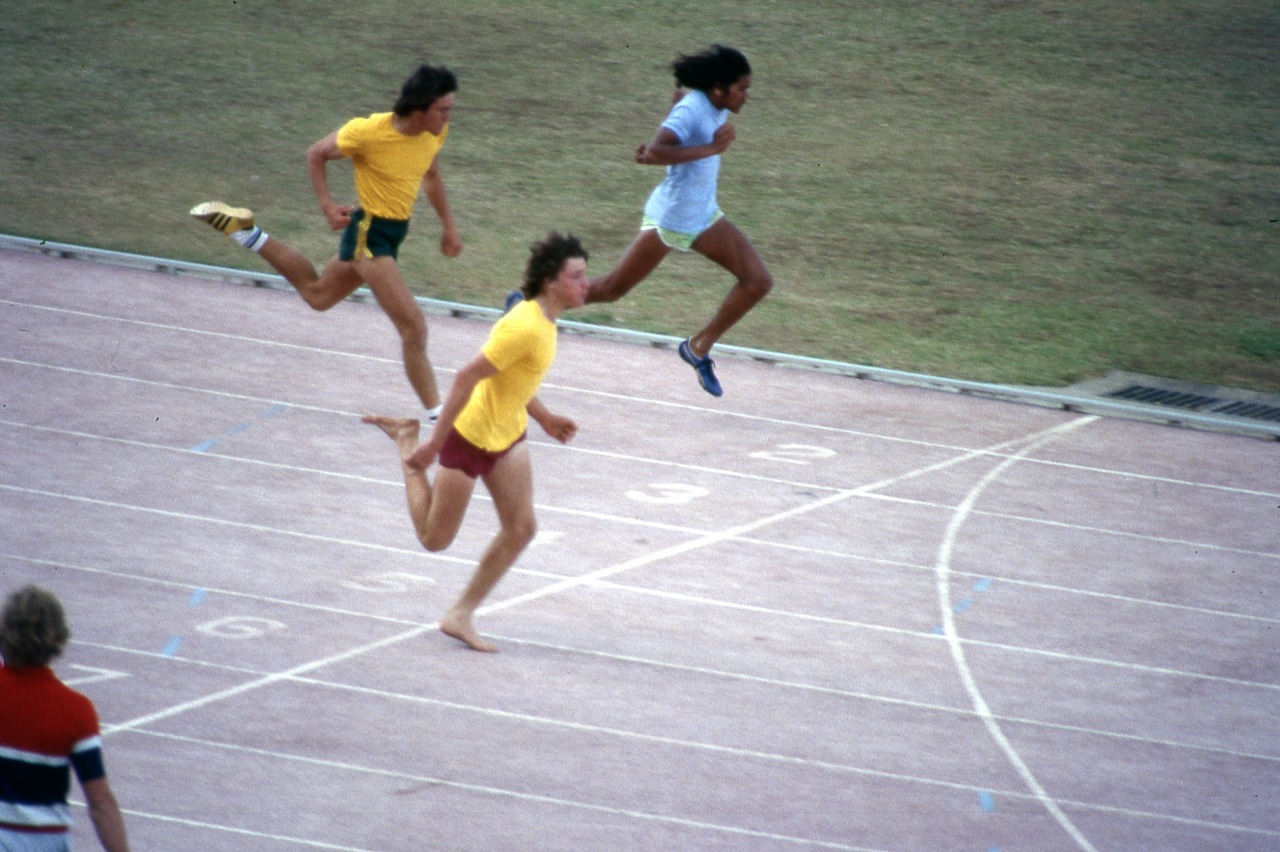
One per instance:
(459, 627)
(403, 430)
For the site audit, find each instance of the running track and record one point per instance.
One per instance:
(817, 613)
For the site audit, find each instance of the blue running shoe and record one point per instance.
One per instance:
(705, 368)
(514, 298)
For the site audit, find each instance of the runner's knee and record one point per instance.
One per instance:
(522, 531)
(413, 331)
(759, 283)
(434, 541)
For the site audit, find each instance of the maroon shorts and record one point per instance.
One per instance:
(460, 454)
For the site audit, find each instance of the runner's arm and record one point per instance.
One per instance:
(319, 156)
(559, 427)
(433, 189)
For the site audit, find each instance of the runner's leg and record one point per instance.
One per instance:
(641, 257)
(510, 483)
(436, 513)
(729, 247)
(384, 279)
(321, 291)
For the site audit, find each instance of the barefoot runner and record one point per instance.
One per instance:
(480, 432)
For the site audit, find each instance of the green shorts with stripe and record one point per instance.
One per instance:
(678, 239)
(371, 236)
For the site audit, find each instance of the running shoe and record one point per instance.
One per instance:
(705, 368)
(514, 298)
(225, 218)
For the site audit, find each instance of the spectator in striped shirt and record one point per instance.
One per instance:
(47, 730)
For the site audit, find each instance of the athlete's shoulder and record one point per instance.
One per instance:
(365, 127)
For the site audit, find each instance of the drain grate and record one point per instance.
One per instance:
(1163, 396)
(1253, 410)
(1197, 402)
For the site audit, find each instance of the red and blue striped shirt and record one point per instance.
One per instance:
(47, 729)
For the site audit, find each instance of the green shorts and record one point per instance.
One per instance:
(678, 239)
(371, 236)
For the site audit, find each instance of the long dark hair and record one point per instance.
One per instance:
(716, 66)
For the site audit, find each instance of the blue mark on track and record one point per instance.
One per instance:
(964, 604)
(197, 597)
(205, 446)
(987, 801)
(172, 648)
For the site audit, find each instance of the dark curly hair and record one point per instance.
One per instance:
(546, 259)
(33, 628)
(716, 66)
(423, 88)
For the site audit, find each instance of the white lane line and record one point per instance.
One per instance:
(230, 829)
(1155, 539)
(992, 452)
(215, 590)
(185, 329)
(731, 533)
(1016, 581)
(873, 698)
(645, 460)
(759, 542)
(868, 491)
(697, 600)
(555, 801)
(243, 525)
(600, 575)
(976, 643)
(686, 530)
(769, 756)
(703, 540)
(117, 377)
(551, 589)
(989, 720)
(753, 754)
(798, 686)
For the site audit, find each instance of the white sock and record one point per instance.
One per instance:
(251, 238)
(433, 414)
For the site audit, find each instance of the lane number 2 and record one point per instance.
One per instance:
(388, 581)
(795, 454)
(668, 494)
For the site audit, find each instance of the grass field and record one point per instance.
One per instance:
(1018, 191)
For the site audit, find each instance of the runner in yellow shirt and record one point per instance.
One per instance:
(394, 154)
(480, 433)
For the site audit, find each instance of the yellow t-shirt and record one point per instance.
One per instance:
(389, 165)
(522, 346)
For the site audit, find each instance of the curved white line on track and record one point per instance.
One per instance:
(980, 706)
